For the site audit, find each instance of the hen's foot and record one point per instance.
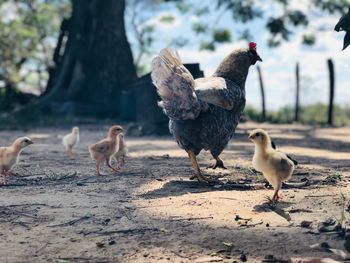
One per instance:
(217, 164)
(201, 178)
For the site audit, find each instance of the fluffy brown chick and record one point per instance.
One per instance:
(275, 165)
(9, 156)
(104, 150)
(121, 150)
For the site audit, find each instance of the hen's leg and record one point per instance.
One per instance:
(218, 164)
(116, 170)
(197, 172)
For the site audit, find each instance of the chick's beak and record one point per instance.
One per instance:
(251, 137)
(30, 142)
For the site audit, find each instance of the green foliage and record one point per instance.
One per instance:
(199, 28)
(207, 46)
(167, 19)
(315, 114)
(28, 32)
(344, 25)
(309, 39)
(222, 35)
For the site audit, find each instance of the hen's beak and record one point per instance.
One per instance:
(259, 58)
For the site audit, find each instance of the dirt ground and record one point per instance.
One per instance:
(56, 209)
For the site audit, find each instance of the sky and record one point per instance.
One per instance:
(278, 66)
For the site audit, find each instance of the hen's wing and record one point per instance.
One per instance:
(218, 91)
(175, 85)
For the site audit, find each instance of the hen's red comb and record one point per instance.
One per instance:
(252, 45)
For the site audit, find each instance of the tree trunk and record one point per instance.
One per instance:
(263, 114)
(331, 91)
(97, 62)
(297, 106)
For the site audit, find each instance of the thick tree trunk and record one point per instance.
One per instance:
(261, 82)
(97, 62)
(297, 106)
(331, 91)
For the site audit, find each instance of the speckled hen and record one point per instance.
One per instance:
(203, 113)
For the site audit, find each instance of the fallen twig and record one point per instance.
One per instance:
(126, 231)
(251, 225)
(296, 185)
(72, 222)
(191, 218)
(307, 196)
(300, 210)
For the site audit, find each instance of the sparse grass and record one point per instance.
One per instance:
(334, 177)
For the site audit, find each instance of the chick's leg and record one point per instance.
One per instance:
(218, 163)
(4, 173)
(275, 196)
(98, 168)
(116, 170)
(197, 171)
(70, 152)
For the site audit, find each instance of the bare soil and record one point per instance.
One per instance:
(56, 209)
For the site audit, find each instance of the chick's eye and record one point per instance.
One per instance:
(258, 134)
(25, 140)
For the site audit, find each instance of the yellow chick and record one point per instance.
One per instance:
(104, 150)
(9, 155)
(121, 150)
(71, 140)
(275, 165)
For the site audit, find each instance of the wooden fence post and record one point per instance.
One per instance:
(331, 91)
(263, 114)
(297, 106)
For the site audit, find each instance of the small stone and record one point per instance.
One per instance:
(112, 242)
(305, 224)
(325, 245)
(100, 244)
(209, 259)
(243, 258)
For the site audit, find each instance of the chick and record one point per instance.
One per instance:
(71, 140)
(104, 150)
(275, 166)
(9, 155)
(273, 145)
(121, 151)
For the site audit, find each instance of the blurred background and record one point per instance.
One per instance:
(88, 59)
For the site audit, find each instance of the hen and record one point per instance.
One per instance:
(104, 150)
(203, 112)
(9, 155)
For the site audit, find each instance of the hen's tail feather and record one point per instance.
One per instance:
(175, 85)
